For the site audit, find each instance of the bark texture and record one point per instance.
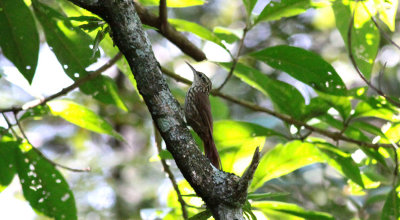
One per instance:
(224, 193)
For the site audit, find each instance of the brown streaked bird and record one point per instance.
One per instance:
(198, 114)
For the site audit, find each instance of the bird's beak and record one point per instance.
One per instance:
(191, 67)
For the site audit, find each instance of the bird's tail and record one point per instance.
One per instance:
(211, 152)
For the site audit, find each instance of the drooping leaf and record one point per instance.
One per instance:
(391, 208)
(342, 162)
(7, 160)
(275, 10)
(81, 116)
(43, 186)
(290, 209)
(364, 36)
(303, 65)
(249, 5)
(283, 159)
(19, 38)
(173, 3)
(200, 31)
(72, 48)
(285, 97)
(375, 107)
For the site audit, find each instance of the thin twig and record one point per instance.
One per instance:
(163, 15)
(235, 59)
(169, 173)
(395, 175)
(66, 90)
(9, 125)
(384, 34)
(333, 135)
(41, 154)
(353, 62)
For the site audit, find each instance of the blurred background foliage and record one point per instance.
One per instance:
(107, 126)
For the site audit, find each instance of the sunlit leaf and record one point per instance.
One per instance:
(275, 10)
(284, 159)
(290, 209)
(173, 3)
(43, 186)
(19, 38)
(236, 141)
(375, 107)
(303, 65)
(81, 116)
(365, 35)
(226, 34)
(228, 133)
(200, 31)
(71, 46)
(285, 97)
(387, 12)
(7, 160)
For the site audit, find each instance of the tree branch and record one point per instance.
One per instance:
(235, 59)
(333, 135)
(163, 15)
(218, 189)
(66, 90)
(170, 33)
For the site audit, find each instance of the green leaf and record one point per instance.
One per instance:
(173, 3)
(19, 38)
(43, 186)
(286, 98)
(342, 162)
(365, 35)
(391, 208)
(387, 12)
(375, 107)
(315, 108)
(303, 65)
(204, 215)
(226, 34)
(71, 47)
(275, 10)
(35, 113)
(284, 159)
(341, 103)
(200, 31)
(290, 209)
(7, 160)
(81, 116)
(236, 142)
(265, 196)
(249, 5)
(228, 133)
(219, 109)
